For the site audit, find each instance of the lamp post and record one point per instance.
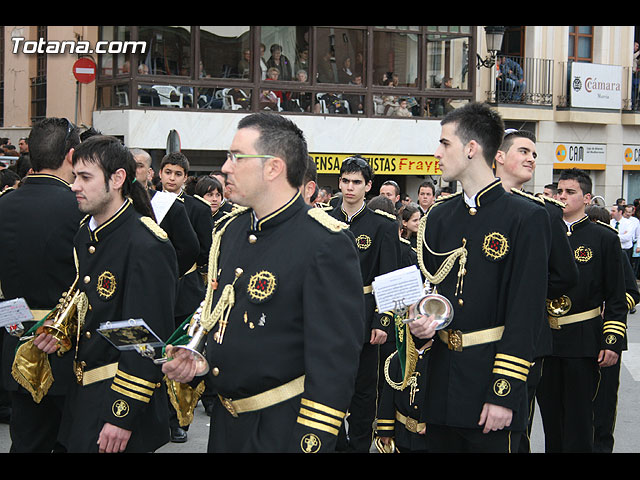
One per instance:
(494, 37)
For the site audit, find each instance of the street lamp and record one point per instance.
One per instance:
(494, 44)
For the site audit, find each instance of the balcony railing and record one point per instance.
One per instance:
(520, 80)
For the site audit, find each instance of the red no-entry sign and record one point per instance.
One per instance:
(84, 69)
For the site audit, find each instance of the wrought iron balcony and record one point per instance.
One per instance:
(521, 80)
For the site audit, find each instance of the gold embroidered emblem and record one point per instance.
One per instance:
(610, 340)
(385, 321)
(262, 286)
(363, 241)
(310, 443)
(106, 285)
(495, 246)
(583, 254)
(501, 387)
(120, 408)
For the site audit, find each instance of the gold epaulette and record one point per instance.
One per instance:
(326, 220)
(154, 228)
(386, 214)
(607, 225)
(404, 240)
(553, 201)
(528, 195)
(202, 200)
(7, 190)
(235, 211)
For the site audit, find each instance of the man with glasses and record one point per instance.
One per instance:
(39, 221)
(477, 246)
(376, 235)
(283, 358)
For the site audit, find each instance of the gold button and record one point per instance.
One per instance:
(253, 238)
(460, 302)
(87, 279)
(215, 371)
(568, 234)
(92, 249)
(88, 334)
(472, 211)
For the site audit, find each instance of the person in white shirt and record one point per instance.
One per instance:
(626, 228)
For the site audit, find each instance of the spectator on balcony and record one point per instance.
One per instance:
(510, 79)
(279, 61)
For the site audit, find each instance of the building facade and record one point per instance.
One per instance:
(379, 91)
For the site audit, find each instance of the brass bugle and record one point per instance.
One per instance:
(437, 305)
(196, 345)
(64, 326)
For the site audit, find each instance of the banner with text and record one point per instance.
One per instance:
(381, 164)
(596, 86)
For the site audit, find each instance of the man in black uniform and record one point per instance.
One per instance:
(376, 234)
(284, 359)
(584, 338)
(476, 397)
(170, 214)
(174, 169)
(119, 402)
(515, 164)
(39, 221)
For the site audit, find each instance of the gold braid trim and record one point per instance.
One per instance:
(184, 399)
(409, 368)
(210, 316)
(458, 253)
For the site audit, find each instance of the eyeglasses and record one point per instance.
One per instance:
(235, 156)
(361, 162)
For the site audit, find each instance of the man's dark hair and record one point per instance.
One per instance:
(281, 138)
(553, 187)
(311, 175)
(176, 158)
(595, 212)
(110, 155)
(357, 163)
(8, 178)
(49, 142)
(206, 184)
(511, 135)
(381, 202)
(579, 176)
(479, 122)
(427, 184)
(393, 184)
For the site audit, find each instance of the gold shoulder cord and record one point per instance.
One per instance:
(447, 265)
(210, 317)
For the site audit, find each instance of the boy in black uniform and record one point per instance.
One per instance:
(376, 235)
(476, 398)
(174, 168)
(283, 358)
(584, 339)
(119, 402)
(515, 164)
(39, 221)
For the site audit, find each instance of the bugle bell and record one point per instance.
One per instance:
(65, 320)
(196, 346)
(437, 305)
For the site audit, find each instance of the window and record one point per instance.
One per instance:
(447, 62)
(168, 50)
(286, 49)
(225, 52)
(395, 56)
(340, 55)
(580, 44)
(114, 64)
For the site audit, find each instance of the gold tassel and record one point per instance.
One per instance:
(184, 399)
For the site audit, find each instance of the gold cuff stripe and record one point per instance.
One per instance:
(322, 408)
(385, 428)
(133, 387)
(522, 370)
(383, 420)
(616, 330)
(508, 373)
(129, 394)
(612, 323)
(630, 301)
(139, 380)
(320, 417)
(318, 426)
(511, 358)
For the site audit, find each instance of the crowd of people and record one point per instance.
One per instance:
(258, 284)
